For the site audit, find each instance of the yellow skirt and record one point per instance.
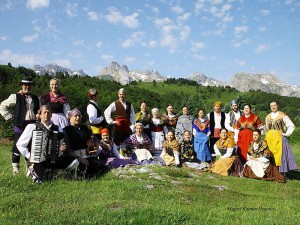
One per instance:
(274, 140)
(222, 166)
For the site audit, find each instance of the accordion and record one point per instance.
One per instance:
(44, 147)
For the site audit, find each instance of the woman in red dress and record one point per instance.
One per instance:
(245, 126)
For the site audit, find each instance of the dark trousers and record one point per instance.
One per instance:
(121, 136)
(42, 169)
(16, 155)
(212, 142)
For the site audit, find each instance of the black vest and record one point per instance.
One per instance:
(99, 113)
(212, 122)
(20, 109)
(78, 137)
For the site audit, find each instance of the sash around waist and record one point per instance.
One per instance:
(125, 124)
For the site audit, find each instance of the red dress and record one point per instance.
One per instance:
(246, 127)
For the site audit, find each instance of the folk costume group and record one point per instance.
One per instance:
(51, 136)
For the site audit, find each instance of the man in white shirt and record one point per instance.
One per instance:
(123, 117)
(21, 108)
(217, 122)
(55, 157)
(96, 118)
(232, 117)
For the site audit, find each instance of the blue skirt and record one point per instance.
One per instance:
(201, 147)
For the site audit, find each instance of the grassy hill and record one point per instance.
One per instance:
(147, 195)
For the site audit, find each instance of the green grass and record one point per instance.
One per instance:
(151, 195)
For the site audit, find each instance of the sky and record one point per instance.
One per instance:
(218, 38)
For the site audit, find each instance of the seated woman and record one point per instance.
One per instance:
(77, 137)
(58, 102)
(188, 156)
(260, 161)
(171, 152)
(228, 164)
(109, 154)
(139, 145)
(186, 147)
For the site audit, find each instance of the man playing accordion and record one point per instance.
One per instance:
(45, 152)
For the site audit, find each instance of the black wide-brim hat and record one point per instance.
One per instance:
(27, 80)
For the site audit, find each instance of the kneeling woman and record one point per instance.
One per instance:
(170, 153)
(109, 154)
(228, 164)
(260, 160)
(139, 145)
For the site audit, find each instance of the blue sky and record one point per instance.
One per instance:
(175, 37)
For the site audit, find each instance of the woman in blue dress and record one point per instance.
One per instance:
(201, 132)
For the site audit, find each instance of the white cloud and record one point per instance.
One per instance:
(262, 48)
(115, 17)
(131, 21)
(71, 9)
(195, 46)
(30, 38)
(177, 9)
(130, 59)
(107, 58)
(264, 12)
(240, 62)
(93, 16)
(78, 42)
(99, 44)
(261, 29)
(135, 38)
(7, 5)
(17, 59)
(3, 38)
(173, 34)
(219, 13)
(75, 55)
(199, 57)
(237, 44)
(34, 4)
(152, 44)
(184, 17)
(51, 26)
(239, 30)
(153, 8)
(62, 62)
(200, 6)
(216, 2)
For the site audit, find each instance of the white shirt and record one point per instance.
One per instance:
(92, 113)
(237, 115)
(112, 107)
(226, 155)
(218, 117)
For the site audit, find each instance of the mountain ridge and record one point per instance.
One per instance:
(242, 81)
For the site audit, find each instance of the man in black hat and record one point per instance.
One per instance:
(22, 109)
